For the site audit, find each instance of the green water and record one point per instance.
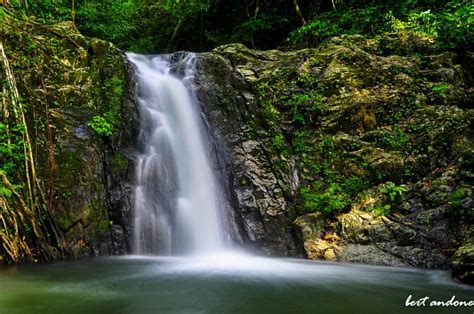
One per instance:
(221, 284)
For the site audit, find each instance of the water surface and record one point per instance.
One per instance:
(223, 283)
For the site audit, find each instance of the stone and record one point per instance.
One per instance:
(80, 78)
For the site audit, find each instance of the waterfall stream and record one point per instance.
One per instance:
(176, 199)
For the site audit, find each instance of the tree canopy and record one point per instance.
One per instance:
(166, 25)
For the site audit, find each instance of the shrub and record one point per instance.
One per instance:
(100, 126)
(334, 199)
(449, 25)
(395, 139)
(458, 196)
(393, 191)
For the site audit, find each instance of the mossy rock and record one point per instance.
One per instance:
(463, 260)
(64, 80)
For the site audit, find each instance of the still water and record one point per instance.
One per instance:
(222, 283)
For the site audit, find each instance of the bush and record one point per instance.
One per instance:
(101, 127)
(450, 28)
(355, 185)
(393, 191)
(395, 139)
(334, 199)
(371, 20)
(459, 196)
(450, 25)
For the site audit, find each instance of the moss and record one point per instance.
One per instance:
(64, 80)
(391, 138)
(351, 119)
(459, 196)
(121, 162)
(332, 200)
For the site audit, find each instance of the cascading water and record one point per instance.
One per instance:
(176, 202)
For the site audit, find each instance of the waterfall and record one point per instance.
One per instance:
(176, 199)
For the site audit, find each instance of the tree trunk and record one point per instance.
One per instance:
(73, 13)
(298, 12)
(175, 34)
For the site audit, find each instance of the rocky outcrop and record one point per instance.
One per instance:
(424, 233)
(463, 260)
(358, 150)
(261, 214)
(366, 145)
(65, 80)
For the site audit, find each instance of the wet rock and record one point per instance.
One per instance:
(86, 177)
(257, 193)
(319, 240)
(376, 110)
(404, 43)
(463, 261)
(369, 254)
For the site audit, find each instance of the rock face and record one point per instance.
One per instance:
(260, 212)
(463, 260)
(65, 80)
(358, 150)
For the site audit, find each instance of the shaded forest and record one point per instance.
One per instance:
(199, 25)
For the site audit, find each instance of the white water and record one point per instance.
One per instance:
(176, 202)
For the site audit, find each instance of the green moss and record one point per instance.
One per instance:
(393, 138)
(459, 196)
(332, 200)
(103, 225)
(278, 142)
(440, 90)
(381, 210)
(444, 24)
(354, 185)
(64, 84)
(121, 162)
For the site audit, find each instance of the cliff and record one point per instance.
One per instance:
(67, 138)
(357, 151)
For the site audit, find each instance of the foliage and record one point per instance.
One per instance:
(26, 230)
(440, 90)
(336, 197)
(11, 149)
(393, 191)
(109, 20)
(459, 196)
(333, 199)
(101, 126)
(280, 100)
(369, 20)
(392, 196)
(395, 139)
(354, 185)
(52, 80)
(278, 142)
(174, 17)
(306, 107)
(183, 9)
(382, 210)
(146, 25)
(449, 25)
(254, 32)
